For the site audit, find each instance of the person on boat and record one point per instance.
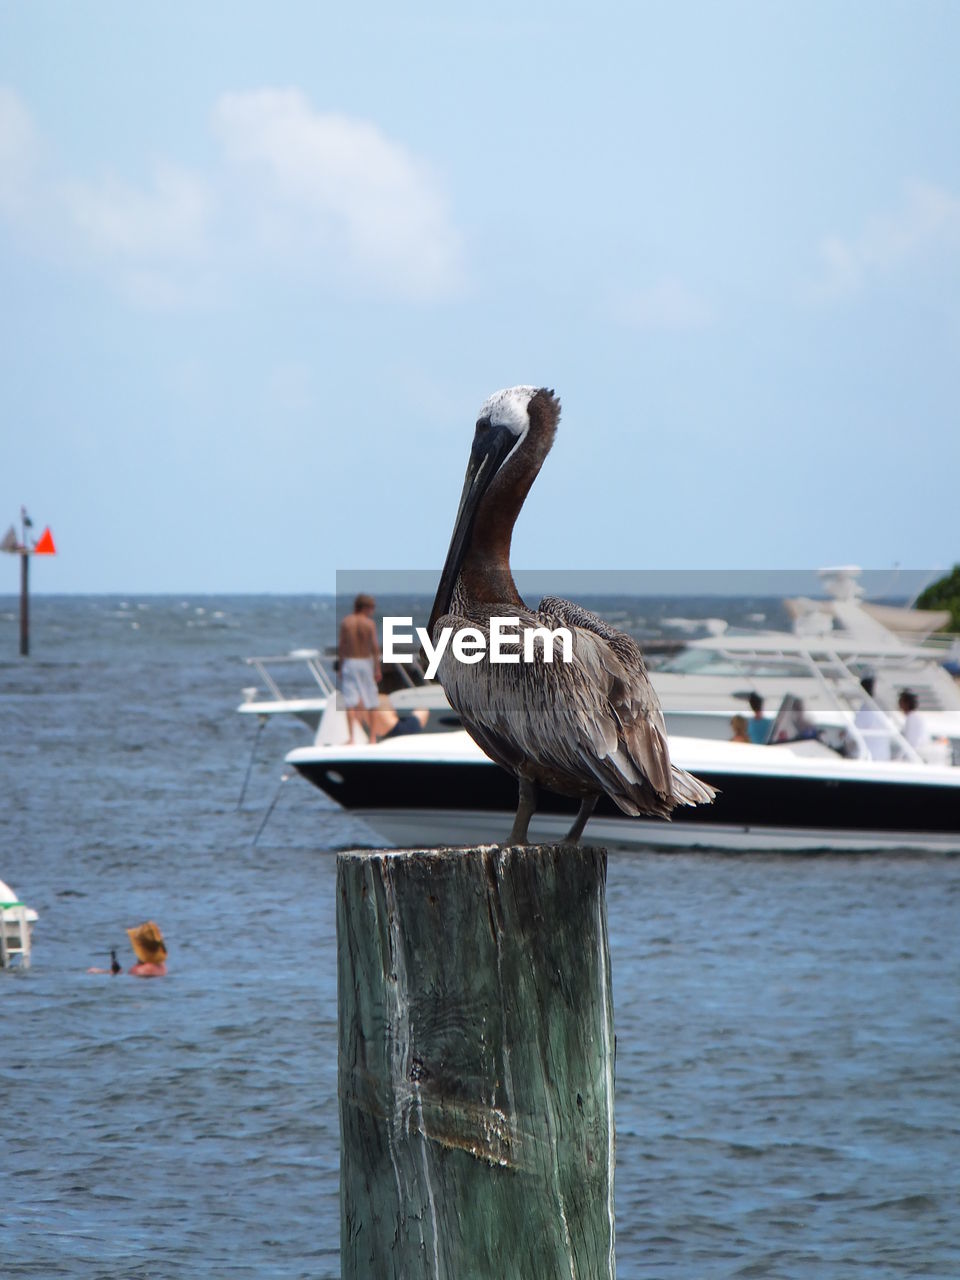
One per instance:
(359, 653)
(915, 729)
(150, 950)
(759, 726)
(387, 724)
(740, 729)
(872, 724)
(803, 727)
(792, 724)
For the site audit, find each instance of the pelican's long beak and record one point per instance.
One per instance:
(491, 444)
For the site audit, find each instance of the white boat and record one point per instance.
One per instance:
(802, 794)
(834, 643)
(16, 928)
(439, 788)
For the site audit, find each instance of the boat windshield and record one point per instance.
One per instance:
(710, 662)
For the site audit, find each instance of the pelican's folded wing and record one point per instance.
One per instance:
(633, 702)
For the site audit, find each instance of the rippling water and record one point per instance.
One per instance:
(788, 1028)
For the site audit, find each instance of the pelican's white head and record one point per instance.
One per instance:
(508, 408)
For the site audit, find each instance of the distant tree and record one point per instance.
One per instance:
(944, 594)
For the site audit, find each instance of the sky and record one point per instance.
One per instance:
(260, 264)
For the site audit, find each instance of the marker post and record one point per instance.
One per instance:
(44, 546)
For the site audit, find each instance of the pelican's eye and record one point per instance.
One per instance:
(483, 424)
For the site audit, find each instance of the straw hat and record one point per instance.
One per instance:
(147, 942)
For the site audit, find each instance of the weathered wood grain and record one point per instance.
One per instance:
(476, 1064)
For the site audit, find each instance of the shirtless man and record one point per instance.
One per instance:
(359, 650)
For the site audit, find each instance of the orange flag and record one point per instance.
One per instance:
(45, 546)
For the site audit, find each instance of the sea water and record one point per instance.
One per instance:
(787, 1027)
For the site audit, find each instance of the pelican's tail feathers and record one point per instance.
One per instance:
(690, 790)
(642, 801)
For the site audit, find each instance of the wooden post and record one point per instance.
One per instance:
(24, 603)
(476, 1064)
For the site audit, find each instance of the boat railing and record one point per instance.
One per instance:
(265, 668)
(842, 687)
(839, 682)
(322, 671)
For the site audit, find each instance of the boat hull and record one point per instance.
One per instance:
(410, 802)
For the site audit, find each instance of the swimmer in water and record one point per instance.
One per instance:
(150, 949)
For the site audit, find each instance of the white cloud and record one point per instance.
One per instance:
(332, 189)
(168, 219)
(322, 196)
(927, 223)
(668, 305)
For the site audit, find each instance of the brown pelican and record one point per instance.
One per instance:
(582, 727)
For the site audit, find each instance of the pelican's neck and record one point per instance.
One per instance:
(482, 584)
(485, 574)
